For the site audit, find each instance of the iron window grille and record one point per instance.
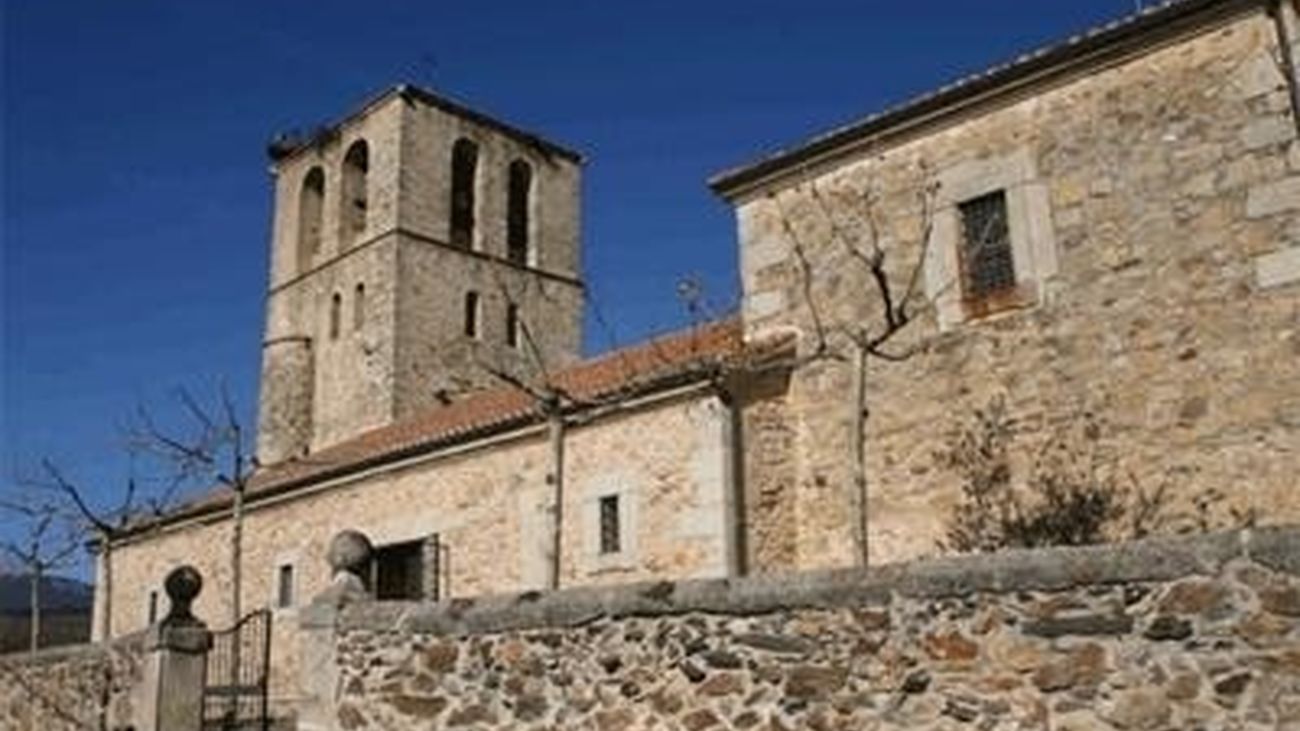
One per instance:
(988, 268)
(610, 537)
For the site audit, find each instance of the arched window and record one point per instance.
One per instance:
(520, 187)
(311, 207)
(512, 325)
(464, 168)
(352, 212)
(336, 314)
(359, 307)
(471, 314)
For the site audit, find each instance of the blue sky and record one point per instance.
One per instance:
(136, 200)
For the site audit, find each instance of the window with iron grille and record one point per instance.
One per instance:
(399, 571)
(986, 263)
(610, 538)
(284, 587)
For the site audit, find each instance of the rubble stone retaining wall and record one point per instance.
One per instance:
(1176, 633)
(72, 688)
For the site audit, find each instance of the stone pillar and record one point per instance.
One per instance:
(350, 554)
(175, 663)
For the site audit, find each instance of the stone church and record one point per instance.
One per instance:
(1109, 225)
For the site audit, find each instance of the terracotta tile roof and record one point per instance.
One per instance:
(680, 357)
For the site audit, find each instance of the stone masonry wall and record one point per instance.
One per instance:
(71, 688)
(486, 504)
(1155, 226)
(1200, 633)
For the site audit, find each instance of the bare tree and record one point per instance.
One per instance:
(46, 543)
(213, 449)
(1070, 493)
(106, 523)
(892, 300)
(538, 381)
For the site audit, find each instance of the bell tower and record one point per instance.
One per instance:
(417, 247)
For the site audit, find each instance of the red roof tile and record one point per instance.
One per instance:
(686, 354)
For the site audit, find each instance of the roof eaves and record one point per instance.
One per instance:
(1144, 28)
(693, 369)
(283, 148)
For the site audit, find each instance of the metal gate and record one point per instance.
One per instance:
(234, 695)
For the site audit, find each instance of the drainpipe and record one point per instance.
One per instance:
(729, 393)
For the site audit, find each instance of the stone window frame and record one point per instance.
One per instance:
(628, 555)
(528, 212)
(433, 532)
(293, 559)
(354, 204)
(1029, 218)
(310, 216)
(465, 153)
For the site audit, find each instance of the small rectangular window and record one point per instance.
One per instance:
(512, 325)
(284, 587)
(610, 537)
(471, 314)
(987, 266)
(153, 607)
(399, 571)
(359, 307)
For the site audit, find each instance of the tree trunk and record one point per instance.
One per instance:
(859, 422)
(236, 556)
(35, 609)
(556, 517)
(106, 621)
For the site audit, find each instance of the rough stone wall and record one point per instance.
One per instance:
(432, 352)
(1155, 209)
(485, 503)
(554, 216)
(412, 344)
(768, 436)
(1201, 633)
(351, 375)
(71, 688)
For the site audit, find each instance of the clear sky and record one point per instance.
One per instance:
(136, 199)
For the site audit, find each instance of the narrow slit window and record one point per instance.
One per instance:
(987, 265)
(356, 170)
(512, 325)
(610, 537)
(359, 307)
(153, 607)
(464, 171)
(336, 314)
(471, 314)
(517, 203)
(284, 587)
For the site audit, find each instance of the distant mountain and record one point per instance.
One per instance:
(58, 594)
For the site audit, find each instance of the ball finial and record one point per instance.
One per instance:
(350, 551)
(182, 585)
